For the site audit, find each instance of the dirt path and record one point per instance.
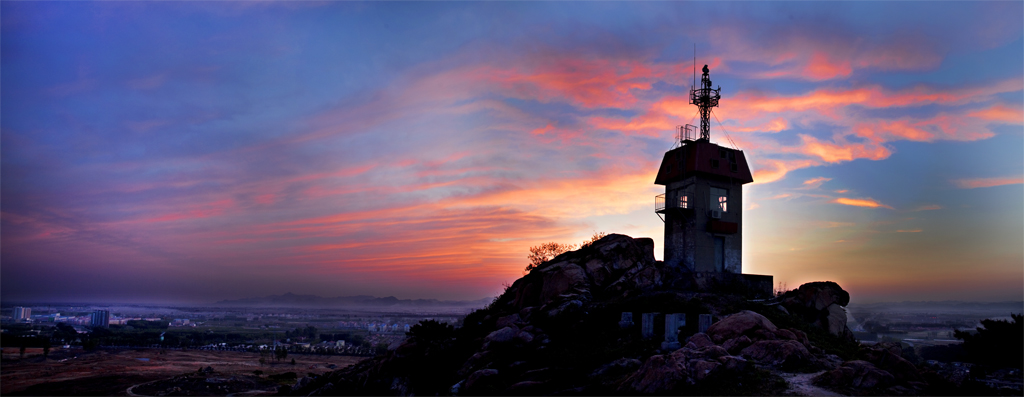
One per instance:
(800, 385)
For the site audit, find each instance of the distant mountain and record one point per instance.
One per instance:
(354, 302)
(941, 306)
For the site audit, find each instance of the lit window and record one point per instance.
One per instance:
(721, 198)
(683, 201)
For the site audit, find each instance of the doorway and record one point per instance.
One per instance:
(719, 253)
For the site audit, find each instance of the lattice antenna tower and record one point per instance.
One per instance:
(704, 98)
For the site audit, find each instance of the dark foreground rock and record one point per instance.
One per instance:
(557, 331)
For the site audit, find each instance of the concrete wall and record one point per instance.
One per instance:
(688, 243)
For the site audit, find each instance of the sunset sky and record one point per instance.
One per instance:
(194, 151)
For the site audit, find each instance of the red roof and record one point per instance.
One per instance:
(706, 159)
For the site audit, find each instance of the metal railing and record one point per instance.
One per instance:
(680, 201)
(686, 133)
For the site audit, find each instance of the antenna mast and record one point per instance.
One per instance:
(704, 98)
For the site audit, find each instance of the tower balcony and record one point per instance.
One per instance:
(680, 205)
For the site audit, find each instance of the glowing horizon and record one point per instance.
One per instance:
(206, 151)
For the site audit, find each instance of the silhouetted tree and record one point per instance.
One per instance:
(593, 239)
(546, 252)
(997, 343)
(430, 330)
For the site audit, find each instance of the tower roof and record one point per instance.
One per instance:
(706, 159)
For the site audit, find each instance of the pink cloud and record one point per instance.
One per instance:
(987, 182)
(1000, 112)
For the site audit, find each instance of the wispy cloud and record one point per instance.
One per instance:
(987, 182)
(815, 183)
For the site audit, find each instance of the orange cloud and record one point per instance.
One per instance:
(815, 182)
(870, 203)
(771, 170)
(987, 182)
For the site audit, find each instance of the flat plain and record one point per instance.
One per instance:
(114, 371)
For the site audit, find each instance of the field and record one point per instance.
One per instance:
(112, 372)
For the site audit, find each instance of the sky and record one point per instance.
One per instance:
(197, 151)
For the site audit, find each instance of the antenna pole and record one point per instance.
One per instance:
(705, 98)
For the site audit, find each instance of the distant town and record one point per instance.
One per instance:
(296, 330)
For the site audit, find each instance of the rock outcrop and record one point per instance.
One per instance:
(556, 330)
(822, 303)
(882, 371)
(614, 265)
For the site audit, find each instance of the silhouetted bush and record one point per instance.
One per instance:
(998, 343)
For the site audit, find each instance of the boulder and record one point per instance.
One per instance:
(704, 368)
(735, 345)
(560, 278)
(659, 374)
(743, 323)
(785, 334)
(480, 382)
(699, 340)
(524, 337)
(508, 320)
(857, 375)
(784, 353)
(613, 259)
(526, 387)
(889, 358)
(836, 320)
(733, 363)
(818, 295)
(615, 371)
(820, 303)
(502, 335)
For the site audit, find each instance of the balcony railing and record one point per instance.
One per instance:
(659, 203)
(681, 202)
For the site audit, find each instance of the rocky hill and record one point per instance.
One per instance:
(560, 330)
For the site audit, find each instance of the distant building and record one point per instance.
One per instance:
(100, 318)
(179, 322)
(22, 313)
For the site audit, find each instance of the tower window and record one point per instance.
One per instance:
(720, 197)
(684, 201)
(714, 163)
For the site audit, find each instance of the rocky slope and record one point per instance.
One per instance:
(556, 331)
